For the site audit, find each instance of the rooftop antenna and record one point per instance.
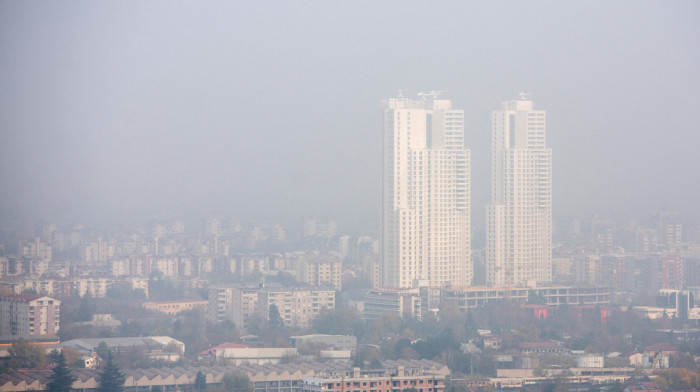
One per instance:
(523, 96)
(402, 91)
(433, 94)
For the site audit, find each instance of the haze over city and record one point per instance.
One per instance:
(319, 196)
(127, 111)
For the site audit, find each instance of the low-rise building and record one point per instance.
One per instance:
(163, 347)
(102, 320)
(239, 354)
(474, 297)
(542, 347)
(391, 376)
(590, 361)
(336, 342)
(217, 351)
(175, 307)
(399, 302)
(423, 376)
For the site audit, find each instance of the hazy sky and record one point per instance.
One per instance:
(141, 109)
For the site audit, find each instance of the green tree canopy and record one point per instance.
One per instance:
(274, 319)
(102, 350)
(236, 382)
(61, 380)
(111, 379)
(86, 309)
(200, 382)
(339, 322)
(678, 379)
(24, 354)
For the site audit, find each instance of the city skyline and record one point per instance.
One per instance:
(325, 196)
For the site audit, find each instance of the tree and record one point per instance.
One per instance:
(678, 379)
(236, 382)
(111, 379)
(489, 388)
(339, 322)
(274, 319)
(617, 386)
(61, 380)
(192, 330)
(24, 354)
(200, 382)
(86, 308)
(102, 350)
(686, 361)
(53, 356)
(173, 347)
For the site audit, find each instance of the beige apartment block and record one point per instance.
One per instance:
(175, 307)
(240, 304)
(320, 270)
(25, 315)
(297, 307)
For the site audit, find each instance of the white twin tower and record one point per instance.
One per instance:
(426, 203)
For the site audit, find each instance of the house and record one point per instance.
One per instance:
(639, 360)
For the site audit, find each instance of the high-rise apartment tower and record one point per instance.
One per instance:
(425, 194)
(519, 218)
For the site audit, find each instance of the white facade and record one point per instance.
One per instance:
(519, 218)
(425, 194)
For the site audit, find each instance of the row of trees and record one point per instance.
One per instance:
(61, 379)
(112, 380)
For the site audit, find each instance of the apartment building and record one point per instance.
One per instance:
(398, 302)
(175, 307)
(66, 287)
(26, 315)
(296, 306)
(320, 270)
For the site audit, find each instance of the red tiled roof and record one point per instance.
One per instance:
(660, 347)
